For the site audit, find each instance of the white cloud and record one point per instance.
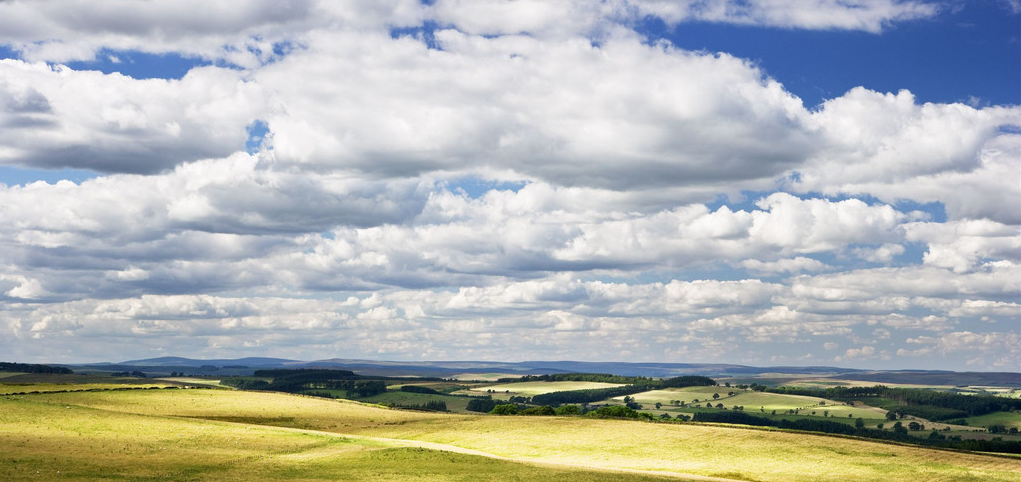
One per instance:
(245, 33)
(605, 246)
(868, 15)
(888, 146)
(966, 245)
(57, 117)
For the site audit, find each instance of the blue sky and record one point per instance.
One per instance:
(734, 182)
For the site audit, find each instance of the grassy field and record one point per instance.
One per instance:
(1007, 419)
(454, 404)
(754, 401)
(46, 441)
(235, 435)
(528, 389)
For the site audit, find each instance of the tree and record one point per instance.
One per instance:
(544, 410)
(859, 423)
(505, 409)
(484, 405)
(568, 410)
(716, 395)
(915, 426)
(891, 416)
(658, 405)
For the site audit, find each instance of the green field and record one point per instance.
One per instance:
(528, 389)
(238, 435)
(1007, 419)
(754, 402)
(454, 404)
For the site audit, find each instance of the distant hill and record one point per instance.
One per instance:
(447, 369)
(175, 361)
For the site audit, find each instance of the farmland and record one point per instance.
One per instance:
(205, 434)
(754, 402)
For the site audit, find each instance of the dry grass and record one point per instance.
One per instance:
(147, 423)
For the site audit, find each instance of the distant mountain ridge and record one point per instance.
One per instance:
(449, 369)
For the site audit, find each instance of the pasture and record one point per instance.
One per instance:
(47, 441)
(755, 402)
(1007, 419)
(238, 435)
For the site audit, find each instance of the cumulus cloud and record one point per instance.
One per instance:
(868, 15)
(888, 146)
(250, 33)
(348, 221)
(55, 117)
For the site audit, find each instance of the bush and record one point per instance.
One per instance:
(482, 405)
(419, 389)
(544, 410)
(613, 411)
(569, 410)
(505, 409)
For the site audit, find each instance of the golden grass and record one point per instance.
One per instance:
(43, 440)
(713, 451)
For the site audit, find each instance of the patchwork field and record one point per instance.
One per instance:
(237, 435)
(753, 402)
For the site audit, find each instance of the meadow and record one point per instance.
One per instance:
(753, 402)
(206, 434)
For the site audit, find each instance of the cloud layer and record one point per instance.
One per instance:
(644, 202)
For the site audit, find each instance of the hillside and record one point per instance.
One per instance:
(225, 435)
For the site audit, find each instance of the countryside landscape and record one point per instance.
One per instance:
(179, 419)
(510, 240)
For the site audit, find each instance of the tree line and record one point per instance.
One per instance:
(33, 368)
(899, 434)
(928, 404)
(654, 383)
(301, 380)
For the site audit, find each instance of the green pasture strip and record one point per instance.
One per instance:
(12, 388)
(62, 378)
(1007, 419)
(454, 404)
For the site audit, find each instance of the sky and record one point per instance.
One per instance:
(759, 182)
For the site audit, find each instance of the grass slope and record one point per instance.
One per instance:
(126, 430)
(46, 441)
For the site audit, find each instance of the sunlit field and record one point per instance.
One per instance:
(47, 441)
(529, 389)
(203, 434)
